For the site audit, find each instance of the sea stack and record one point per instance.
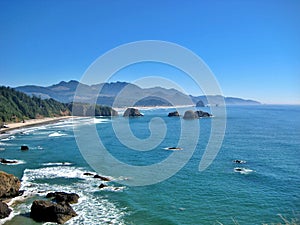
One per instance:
(132, 112)
(173, 114)
(190, 114)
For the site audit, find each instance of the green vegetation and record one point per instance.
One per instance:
(85, 109)
(16, 106)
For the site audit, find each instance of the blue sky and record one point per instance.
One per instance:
(252, 47)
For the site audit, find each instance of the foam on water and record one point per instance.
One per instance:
(16, 162)
(91, 208)
(242, 170)
(57, 164)
(57, 134)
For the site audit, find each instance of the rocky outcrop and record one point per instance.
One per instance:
(102, 186)
(4, 210)
(9, 185)
(200, 104)
(203, 114)
(132, 112)
(101, 177)
(6, 161)
(190, 114)
(63, 197)
(175, 114)
(24, 148)
(46, 211)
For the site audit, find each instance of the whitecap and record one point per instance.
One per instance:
(242, 170)
(91, 208)
(101, 120)
(15, 162)
(56, 134)
(57, 164)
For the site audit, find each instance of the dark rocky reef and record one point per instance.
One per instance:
(46, 211)
(132, 112)
(190, 114)
(63, 197)
(4, 210)
(173, 114)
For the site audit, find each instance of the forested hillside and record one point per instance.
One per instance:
(16, 106)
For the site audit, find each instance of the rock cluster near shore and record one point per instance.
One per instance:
(9, 185)
(56, 209)
(4, 210)
(46, 211)
(9, 188)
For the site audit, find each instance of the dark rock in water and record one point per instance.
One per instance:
(60, 197)
(190, 114)
(239, 161)
(5, 161)
(4, 210)
(101, 177)
(200, 104)
(24, 148)
(203, 114)
(174, 148)
(9, 185)
(102, 186)
(132, 112)
(45, 211)
(88, 174)
(171, 114)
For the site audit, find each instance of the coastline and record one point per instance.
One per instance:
(122, 109)
(4, 132)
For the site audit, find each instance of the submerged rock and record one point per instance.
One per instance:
(60, 197)
(9, 185)
(45, 211)
(4, 210)
(173, 114)
(132, 112)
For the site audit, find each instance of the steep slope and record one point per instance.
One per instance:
(16, 106)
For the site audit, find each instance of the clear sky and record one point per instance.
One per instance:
(252, 47)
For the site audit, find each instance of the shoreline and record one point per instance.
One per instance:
(122, 109)
(5, 132)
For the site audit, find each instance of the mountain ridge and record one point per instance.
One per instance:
(123, 94)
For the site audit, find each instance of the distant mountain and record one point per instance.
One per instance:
(218, 100)
(122, 94)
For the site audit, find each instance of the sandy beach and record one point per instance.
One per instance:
(30, 123)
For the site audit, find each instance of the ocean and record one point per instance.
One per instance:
(267, 185)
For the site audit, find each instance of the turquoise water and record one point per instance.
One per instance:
(266, 137)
